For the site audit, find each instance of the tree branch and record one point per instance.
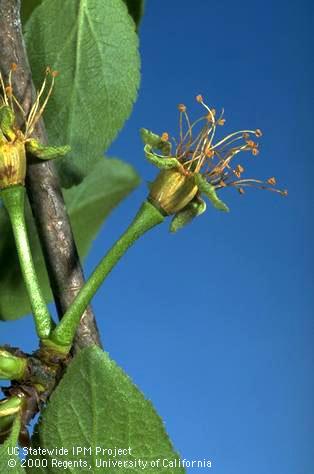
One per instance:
(43, 188)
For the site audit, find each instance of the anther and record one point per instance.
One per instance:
(250, 143)
(238, 171)
(182, 108)
(209, 153)
(199, 98)
(9, 91)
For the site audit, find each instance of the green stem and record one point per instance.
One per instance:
(147, 218)
(13, 199)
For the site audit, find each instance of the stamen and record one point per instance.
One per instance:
(199, 135)
(212, 113)
(5, 98)
(35, 113)
(35, 106)
(12, 69)
(204, 142)
(229, 143)
(242, 132)
(19, 106)
(181, 132)
(189, 128)
(215, 159)
(264, 187)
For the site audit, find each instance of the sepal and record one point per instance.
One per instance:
(195, 208)
(209, 190)
(44, 152)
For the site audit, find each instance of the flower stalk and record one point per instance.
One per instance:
(13, 199)
(146, 218)
(12, 367)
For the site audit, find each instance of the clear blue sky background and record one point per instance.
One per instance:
(215, 324)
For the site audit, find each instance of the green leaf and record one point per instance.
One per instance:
(88, 204)
(136, 9)
(27, 8)
(94, 46)
(7, 460)
(97, 405)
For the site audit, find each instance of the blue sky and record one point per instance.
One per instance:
(215, 323)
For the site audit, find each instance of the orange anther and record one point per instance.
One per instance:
(238, 171)
(182, 108)
(209, 153)
(9, 91)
